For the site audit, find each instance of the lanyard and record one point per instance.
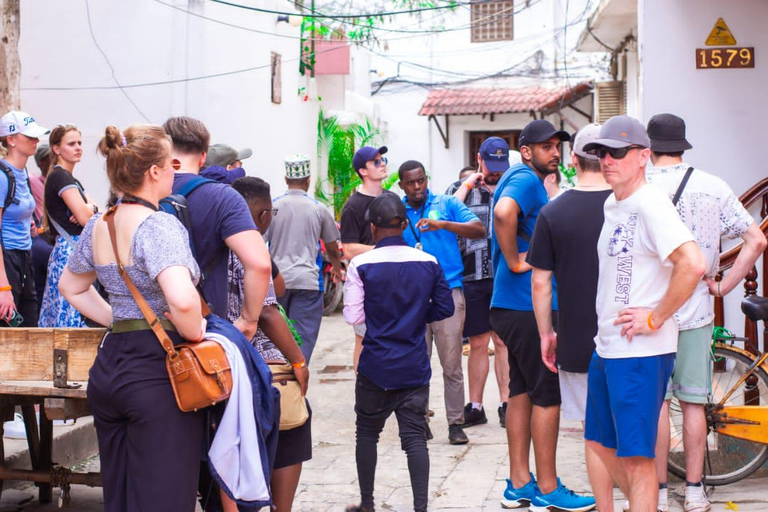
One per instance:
(131, 199)
(416, 234)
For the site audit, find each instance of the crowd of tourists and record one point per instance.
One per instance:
(596, 301)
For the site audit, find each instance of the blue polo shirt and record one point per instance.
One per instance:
(442, 244)
(511, 290)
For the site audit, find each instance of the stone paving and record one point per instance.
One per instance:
(462, 478)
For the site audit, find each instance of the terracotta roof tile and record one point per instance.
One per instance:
(475, 101)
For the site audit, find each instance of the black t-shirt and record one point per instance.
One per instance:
(59, 180)
(565, 241)
(354, 229)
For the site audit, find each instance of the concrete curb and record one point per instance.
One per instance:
(71, 444)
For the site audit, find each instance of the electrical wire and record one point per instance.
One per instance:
(111, 68)
(452, 5)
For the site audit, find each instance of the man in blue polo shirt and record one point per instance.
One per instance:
(393, 371)
(533, 410)
(434, 221)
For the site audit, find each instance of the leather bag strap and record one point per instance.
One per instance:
(146, 310)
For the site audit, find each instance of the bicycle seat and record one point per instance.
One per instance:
(756, 308)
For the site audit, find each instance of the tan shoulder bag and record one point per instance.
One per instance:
(199, 372)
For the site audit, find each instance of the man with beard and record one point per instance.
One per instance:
(434, 222)
(476, 191)
(533, 411)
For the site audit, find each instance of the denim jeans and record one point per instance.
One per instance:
(373, 405)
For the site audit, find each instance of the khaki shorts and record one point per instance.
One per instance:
(359, 329)
(573, 395)
(692, 378)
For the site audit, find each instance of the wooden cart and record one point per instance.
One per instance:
(46, 368)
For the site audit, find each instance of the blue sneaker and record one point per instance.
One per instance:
(522, 497)
(561, 499)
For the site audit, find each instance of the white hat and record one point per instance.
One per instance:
(20, 122)
(587, 134)
(297, 167)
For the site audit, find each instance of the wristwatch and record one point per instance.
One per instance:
(95, 208)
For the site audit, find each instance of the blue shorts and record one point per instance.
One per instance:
(624, 400)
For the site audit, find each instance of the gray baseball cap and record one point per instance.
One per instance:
(621, 132)
(587, 134)
(223, 155)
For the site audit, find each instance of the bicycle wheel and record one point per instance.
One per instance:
(727, 459)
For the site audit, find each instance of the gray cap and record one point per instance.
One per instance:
(223, 155)
(585, 135)
(621, 132)
(43, 152)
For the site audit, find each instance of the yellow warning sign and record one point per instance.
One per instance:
(720, 35)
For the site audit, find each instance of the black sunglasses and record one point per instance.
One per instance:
(616, 153)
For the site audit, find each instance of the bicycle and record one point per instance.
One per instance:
(736, 411)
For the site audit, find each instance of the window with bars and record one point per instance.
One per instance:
(492, 20)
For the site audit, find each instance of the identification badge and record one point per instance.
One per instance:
(419, 246)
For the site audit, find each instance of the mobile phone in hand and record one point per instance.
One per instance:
(15, 320)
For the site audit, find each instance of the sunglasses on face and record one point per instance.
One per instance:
(616, 153)
(272, 210)
(379, 161)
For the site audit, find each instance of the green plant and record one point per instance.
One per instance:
(569, 173)
(336, 145)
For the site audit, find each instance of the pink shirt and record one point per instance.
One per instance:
(37, 186)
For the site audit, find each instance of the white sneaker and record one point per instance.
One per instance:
(696, 499)
(15, 429)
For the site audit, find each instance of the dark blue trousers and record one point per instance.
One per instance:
(150, 451)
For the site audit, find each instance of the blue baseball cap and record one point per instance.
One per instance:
(495, 153)
(365, 154)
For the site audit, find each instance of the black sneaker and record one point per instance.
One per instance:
(503, 415)
(359, 508)
(456, 434)
(473, 416)
(429, 434)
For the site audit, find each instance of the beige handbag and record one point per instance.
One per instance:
(293, 406)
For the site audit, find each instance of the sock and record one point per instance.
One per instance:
(690, 484)
(662, 495)
(502, 404)
(477, 406)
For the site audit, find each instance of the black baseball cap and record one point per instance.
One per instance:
(386, 211)
(667, 134)
(365, 154)
(541, 130)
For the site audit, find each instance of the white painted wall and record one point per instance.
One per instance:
(725, 110)
(147, 42)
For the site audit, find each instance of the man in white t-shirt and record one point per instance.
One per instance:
(649, 266)
(710, 209)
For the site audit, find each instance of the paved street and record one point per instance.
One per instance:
(462, 478)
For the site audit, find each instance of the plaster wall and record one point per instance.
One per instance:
(152, 42)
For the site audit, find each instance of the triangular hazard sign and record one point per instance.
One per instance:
(720, 35)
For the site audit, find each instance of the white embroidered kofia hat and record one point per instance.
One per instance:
(297, 167)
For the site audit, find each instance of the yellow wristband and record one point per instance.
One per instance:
(6, 288)
(301, 364)
(650, 324)
(468, 185)
(519, 264)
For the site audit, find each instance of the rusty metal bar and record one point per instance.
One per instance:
(26, 475)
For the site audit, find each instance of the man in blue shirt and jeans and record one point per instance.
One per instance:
(533, 411)
(434, 221)
(406, 290)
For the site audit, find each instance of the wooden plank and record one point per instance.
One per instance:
(66, 408)
(10, 389)
(27, 354)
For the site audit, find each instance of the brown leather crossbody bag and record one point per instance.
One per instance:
(199, 372)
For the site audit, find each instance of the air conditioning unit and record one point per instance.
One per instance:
(610, 100)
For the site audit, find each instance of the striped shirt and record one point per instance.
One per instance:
(395, 291)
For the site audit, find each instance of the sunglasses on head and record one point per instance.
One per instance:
(380, 161)
(616, 153)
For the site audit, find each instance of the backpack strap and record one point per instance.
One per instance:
(11, 194)
(192, 185)
(682, 186)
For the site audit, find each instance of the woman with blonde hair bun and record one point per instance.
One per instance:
(150, 451)
(66, 209)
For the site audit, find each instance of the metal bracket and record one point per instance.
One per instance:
(60, 370)
(443, 135)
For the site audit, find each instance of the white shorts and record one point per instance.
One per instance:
(573, 395)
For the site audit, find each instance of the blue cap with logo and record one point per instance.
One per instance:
(495, 153)
(365, 154)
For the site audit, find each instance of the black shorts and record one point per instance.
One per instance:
(477, 316)
(527, 373)
(294, 446)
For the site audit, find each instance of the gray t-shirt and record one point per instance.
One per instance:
(294, 237)
(160, 242)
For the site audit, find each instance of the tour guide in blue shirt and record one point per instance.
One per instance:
(434, 221)
(533, 408)
(405, 289)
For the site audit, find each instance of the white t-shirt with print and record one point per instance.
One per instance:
(638, 236)
(710, 209)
